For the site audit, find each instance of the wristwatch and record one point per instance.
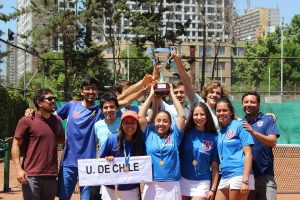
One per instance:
(246, 182)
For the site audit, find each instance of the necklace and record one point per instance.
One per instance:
(162, 145)
(196, 154)
(127, 156)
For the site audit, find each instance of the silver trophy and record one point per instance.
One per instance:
(161, 56)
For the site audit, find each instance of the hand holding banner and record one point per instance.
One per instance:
(102, 172)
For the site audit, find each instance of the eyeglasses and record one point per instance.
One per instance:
(88, 88)
(51, 98)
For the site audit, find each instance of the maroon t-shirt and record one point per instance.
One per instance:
(39, 146)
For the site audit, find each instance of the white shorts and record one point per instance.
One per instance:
(169, 190)
(109, 194)
(193, 188)
(236, 182)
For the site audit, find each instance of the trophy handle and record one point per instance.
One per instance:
(156, 59)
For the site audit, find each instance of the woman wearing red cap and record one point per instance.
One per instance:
(127, 143)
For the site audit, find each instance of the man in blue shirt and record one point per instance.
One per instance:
(265, 133)
(80, 137)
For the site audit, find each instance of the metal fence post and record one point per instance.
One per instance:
(6, 165)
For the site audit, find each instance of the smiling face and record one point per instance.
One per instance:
(199, 118)
(213, 96)
(109, 110)
(89, 92)
(224, 114)
(48, 103)
(180, 94)
(250, 105)
(129, 125)
(162, 123)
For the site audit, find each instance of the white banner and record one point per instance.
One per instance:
(102, 172)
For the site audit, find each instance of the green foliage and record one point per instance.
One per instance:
(12, 107)
(254, 73)
(138, 67)
(78, 57)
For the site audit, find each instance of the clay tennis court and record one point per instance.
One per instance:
(287, 174)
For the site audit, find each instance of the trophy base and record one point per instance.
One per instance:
(162, 89)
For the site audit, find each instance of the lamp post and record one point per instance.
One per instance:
(127, 51)
(281, 59)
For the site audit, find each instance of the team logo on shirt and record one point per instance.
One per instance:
(168, 139)
(206, 145)
(76, 114)
(260, 123)
(230, 134)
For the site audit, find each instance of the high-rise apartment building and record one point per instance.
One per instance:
(30, 22)
(11, 64)
(215, 22)
(215, 19)
(256, 22)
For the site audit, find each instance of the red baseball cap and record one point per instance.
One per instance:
(130, 113)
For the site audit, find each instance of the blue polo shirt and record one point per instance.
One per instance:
(110, 148)
(166, 149)
(202, 147)
(263, 158)
(231, 141)
(80, 136)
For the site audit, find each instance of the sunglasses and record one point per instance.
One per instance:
(51, 98)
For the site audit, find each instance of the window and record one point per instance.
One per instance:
(221, 50)
(186, 17)
(207, 52)
(241, 51)
(208, 66)
(109, 50)
(221, 66)
(173, 67)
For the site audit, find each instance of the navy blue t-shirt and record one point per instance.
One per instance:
(110, 148)
(263, 158)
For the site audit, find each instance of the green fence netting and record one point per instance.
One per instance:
(288, 119)
(287, 114)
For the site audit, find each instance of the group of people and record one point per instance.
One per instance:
(199, 150)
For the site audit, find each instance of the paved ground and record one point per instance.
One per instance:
(16, 193)
(15, 188)
(287, 173)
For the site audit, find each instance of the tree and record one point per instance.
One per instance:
(79, 56)
(140, 66)
(254, 73)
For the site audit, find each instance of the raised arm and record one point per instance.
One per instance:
(132, 97)
(181, 115)
(187, 82)
(143, 112)
(147, 80)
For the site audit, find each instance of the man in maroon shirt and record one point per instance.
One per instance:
(36, 141)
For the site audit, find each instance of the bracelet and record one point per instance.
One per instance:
(213, 190)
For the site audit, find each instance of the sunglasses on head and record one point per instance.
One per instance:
(50, 98)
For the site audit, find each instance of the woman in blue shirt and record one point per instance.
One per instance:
(126, 144)
(198, 155)
(234, 148)
(162, 144)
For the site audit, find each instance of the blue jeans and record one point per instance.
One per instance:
(67, 180)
